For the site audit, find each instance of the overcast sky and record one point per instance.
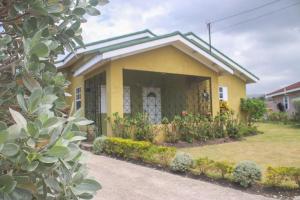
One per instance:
(268, 46)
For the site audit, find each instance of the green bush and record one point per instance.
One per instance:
(254, 109)
(182, 162)
(245, 130)
(216, 169)
(278, 117)
(282, 176)
(159, 155)
(135, 150)
(99, 144)
(137, 127)
(247, 173)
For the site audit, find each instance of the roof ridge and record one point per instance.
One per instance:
(217, 50)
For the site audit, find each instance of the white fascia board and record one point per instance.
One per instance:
(88, 65)
(101, 45)
(224, 58)
(283, 93)
(138, 48)
(163, 42)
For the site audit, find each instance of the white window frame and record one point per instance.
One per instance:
(78, 97)
(103, 103)
(286, 102)
(223, 90)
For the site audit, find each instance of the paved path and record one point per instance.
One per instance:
(126, 181)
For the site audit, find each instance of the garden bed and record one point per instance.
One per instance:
(161, 158)
(183, 144)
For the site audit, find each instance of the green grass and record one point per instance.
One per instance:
(278, 146)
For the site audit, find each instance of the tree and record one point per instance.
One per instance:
(39, 153)
(254, 109)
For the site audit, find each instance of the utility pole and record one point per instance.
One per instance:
(209, 35)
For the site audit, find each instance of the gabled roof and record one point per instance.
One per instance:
(288, 89)
(141, 41)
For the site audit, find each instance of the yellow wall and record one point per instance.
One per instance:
(236, 91)
(75, 83)
(164, 60)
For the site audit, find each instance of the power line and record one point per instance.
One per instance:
(244, 12)
(258, 17)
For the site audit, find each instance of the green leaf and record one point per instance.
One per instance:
(31, 166)
(2, 126)
(7, 184)
(94, 2)
(30, 83)
(50, 122)
(79, 11)
(92, 11)
(55, 8)
(88, 185)
(10, 149)
(32, 129)
(18, 118)
(3, 136)
(48, 159)
(58, 151)
(77, 138)
(21, 102)
(40, 50)
(35, 100)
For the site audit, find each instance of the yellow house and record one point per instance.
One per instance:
(159, 75)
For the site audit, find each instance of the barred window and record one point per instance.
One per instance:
(78, 98)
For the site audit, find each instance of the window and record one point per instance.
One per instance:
(78, 98)
(223, 93)
(102, 98)
(286, 102)
(126, 100)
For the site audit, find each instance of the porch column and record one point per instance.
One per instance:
(114, 93)
(215, 95)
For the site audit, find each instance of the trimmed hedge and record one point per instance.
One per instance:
(135, 150)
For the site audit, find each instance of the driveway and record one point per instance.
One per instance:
(126, 181)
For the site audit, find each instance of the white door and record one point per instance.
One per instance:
(152, 104)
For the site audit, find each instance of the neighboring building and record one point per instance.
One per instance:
(160, 75)
(282, 99)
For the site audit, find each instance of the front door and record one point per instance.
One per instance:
(152, 104)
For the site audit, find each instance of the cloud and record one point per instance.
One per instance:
(268, 46)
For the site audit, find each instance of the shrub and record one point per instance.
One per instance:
(169, 130)
(159, 155)
(297, 110)
(99, 145)
(212, 168)
(247, 173)
(136, 150)
(137, 127)
(254, 109)
(245, 130)
(282, 176)
(182, 162)
(278, 117)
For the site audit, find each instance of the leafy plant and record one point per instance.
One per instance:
(282, 176)
(182, 162)
(39, 154)
(136, 150)
(247, 173)
(254, 109)
(278, 117)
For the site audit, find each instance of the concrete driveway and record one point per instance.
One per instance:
(126, 181)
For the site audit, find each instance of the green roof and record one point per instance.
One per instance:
(219, 56)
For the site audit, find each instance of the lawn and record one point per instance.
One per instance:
(278, 146)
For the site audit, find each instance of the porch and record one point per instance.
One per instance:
(157, 94)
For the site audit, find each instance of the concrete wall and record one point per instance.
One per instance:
(163, 60)
(272, 105)
(236, 91)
